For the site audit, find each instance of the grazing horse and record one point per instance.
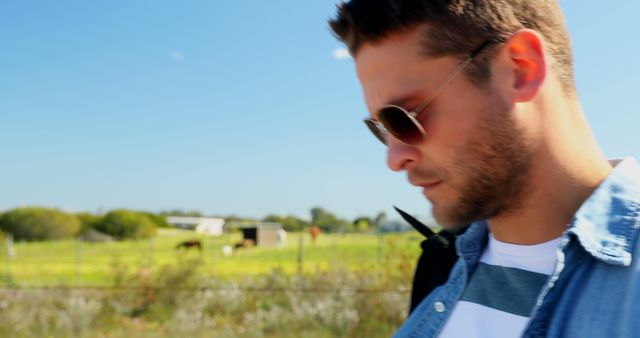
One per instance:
(314, 231)
(192, 243)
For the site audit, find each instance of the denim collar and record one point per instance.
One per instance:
(606, 224)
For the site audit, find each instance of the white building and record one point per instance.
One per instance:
(201, 225)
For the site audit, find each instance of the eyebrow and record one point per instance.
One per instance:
(402, 102)
(405, 100)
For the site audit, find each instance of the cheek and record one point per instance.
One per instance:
(449, 131)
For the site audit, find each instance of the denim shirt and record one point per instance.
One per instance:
(594, 290)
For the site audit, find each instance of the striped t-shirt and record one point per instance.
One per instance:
(502, 291)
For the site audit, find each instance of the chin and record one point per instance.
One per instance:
(448, 220)
(443, 218)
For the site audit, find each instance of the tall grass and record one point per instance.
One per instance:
(348, 286)
(178, 301)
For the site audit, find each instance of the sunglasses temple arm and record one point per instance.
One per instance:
(452, 76)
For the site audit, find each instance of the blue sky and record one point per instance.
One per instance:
(236, 107)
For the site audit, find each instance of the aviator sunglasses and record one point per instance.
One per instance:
(403, 124)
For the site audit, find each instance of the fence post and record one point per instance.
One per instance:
(79, 262)
(381, 261)
(152, 251)
(11, 253)
(300, 258)
(213, 252)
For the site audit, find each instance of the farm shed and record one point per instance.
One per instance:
(266, 234)
(202, 225)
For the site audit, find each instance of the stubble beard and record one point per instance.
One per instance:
(492, 171)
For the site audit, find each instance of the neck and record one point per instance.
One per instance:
(566, 168)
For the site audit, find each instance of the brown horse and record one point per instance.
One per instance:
(314, 231)
(192, 243)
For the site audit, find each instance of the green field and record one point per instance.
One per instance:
(74, 263)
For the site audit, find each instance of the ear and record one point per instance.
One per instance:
(528, 60)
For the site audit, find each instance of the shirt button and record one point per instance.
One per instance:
(439, 306)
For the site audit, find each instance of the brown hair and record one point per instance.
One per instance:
(458, 27)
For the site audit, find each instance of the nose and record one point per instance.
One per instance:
(401, 156)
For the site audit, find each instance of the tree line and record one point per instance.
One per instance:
(39, 224)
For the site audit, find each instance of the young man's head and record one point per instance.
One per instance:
(477, 81)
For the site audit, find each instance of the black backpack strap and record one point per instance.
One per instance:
(423, 229)
(436, 261)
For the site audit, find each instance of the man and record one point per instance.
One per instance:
(476, 102)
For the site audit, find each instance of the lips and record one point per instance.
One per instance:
(423, 184)
(424, 181)
(428, 187)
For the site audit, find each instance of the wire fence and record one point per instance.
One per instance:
(80, 264)
(212, 289)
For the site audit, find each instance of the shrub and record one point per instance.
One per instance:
(158, 219)
(126, 224)
(289, 223)
(87, 221)
(36, 224)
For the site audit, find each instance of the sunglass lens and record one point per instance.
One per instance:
(400, 125)
(376, 131)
